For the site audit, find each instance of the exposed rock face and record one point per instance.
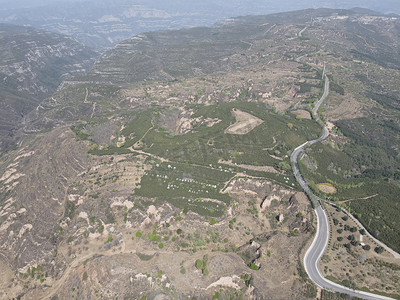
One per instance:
(33, 64)
(38, 179)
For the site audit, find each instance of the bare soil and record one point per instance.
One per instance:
(364, 268)
(327, 188)
(245, 122)
(304, 114)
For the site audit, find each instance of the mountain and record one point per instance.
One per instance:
(33, 64)
(164, 170)
(102, 24)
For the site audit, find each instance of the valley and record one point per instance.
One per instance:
(164, 172)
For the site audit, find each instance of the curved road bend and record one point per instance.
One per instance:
(320, 242)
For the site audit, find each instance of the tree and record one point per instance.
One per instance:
(284, 165)
(379, 249)
(367, 247)
(199, 264)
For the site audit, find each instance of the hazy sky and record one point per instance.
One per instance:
(380, 5)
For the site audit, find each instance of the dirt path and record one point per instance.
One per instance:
(364, 198)
(144, 135)
(93, 110)
(87, 94)
(268, 169)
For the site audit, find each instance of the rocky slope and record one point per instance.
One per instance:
(32, 65)
(136, 189)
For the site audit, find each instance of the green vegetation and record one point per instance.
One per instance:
(195, 147)
(185, 186)
(154, 237)
(253, 266)
(201, 264)
(144, 257)
(69, 209)
(378, 212)
(195, 173)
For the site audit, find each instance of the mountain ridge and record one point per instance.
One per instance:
(34, 63)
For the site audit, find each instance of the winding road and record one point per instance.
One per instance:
(320, 242)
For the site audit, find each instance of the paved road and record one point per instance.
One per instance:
(315, 252)
(300, 34)
(318, 246)
(322, 99)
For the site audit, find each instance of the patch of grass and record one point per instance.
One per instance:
(144, 257)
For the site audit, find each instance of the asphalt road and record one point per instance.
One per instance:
(315, 252)
(318, 246)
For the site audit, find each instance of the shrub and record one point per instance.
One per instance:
(200, 264)
(253, 266)
(367, 247)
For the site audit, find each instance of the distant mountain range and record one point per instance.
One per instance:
(103, 23)
(32, 65)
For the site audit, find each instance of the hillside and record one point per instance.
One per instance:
(101, 24)
(164, 171)
(32, 65)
